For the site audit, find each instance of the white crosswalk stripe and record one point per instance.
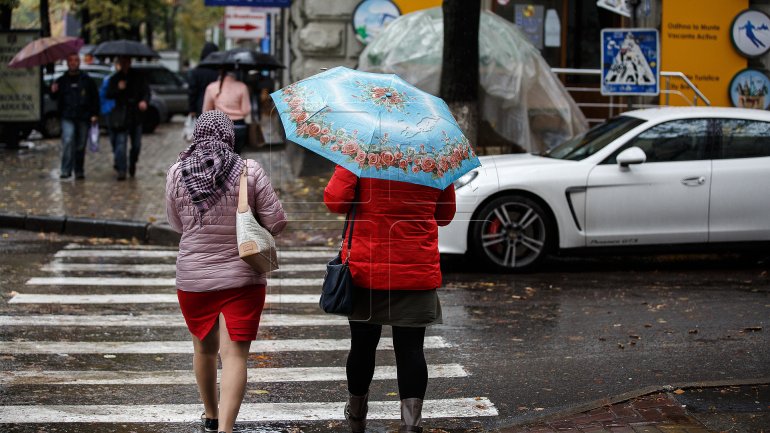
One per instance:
(154, 282)
(187, 377)
(98, 277)
(160, 320)
(259, 412)
(154, 254)
(150, 347)
(62, 267)
(140, 298)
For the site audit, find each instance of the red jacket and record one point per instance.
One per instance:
(395, 236)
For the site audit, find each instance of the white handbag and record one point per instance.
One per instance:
(256, 246)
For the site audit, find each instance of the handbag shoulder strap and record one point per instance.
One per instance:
(243, 193)
(351, 219)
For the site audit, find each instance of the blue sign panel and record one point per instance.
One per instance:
(630, 62)
(250, 3)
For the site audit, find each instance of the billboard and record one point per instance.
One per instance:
(20, 89)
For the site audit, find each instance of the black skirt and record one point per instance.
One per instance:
(408, 308)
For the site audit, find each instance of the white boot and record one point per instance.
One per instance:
(355, 412)
(411, 415)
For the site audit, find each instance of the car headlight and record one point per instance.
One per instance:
(465, 179)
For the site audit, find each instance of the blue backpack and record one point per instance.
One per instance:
(106, 104)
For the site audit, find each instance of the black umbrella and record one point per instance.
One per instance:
(241, 58)
(124, 47)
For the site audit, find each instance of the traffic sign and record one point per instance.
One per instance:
(630, 62)
(245, 23)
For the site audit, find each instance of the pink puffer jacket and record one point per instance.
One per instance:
(208, 254)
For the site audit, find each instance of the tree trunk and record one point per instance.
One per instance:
(460, 63)
(85, 23)
(5, 17)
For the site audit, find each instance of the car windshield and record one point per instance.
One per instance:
(594, 140)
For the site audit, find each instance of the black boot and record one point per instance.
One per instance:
(411, 415)
(355, 412)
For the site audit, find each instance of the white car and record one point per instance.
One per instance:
(655, 177)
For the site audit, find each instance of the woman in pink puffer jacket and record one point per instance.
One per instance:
(220, 296)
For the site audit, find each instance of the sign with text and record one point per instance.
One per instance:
(695, 40)
(250, 3)
(630, 62)
(20, 92)
(245, 23)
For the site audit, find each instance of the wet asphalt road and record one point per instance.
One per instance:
(534, 344)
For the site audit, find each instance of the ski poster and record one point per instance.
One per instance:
(630, 62)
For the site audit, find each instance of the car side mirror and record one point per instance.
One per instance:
(632, 155)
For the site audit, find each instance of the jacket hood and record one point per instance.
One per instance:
(209, 48)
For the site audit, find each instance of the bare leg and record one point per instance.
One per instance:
(205, 366)
(233, 384)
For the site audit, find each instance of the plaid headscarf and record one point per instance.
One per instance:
(209, 166)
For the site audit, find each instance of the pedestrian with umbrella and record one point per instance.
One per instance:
(78, 105)
(198, 79)
(230, 95)
(398, 150)
(129, 88)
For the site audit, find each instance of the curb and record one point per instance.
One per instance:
(151, 233)
(630, 395)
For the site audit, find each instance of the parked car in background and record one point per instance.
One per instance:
(168, 85)
(50, 125)
(664, 177)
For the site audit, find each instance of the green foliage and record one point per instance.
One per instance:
(192, 21)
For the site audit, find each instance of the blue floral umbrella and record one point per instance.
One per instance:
(377, 126)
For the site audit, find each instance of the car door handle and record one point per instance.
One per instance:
(694, 181)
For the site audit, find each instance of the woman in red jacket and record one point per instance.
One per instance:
(394, 262)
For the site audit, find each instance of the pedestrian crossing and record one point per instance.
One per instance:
(104, 287)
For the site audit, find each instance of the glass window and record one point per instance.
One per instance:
(160, 77)
(586, 144)
(745, 138)
(678, 140)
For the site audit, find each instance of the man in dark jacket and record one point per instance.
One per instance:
(197, 79)
(78, 103)
(128, 87)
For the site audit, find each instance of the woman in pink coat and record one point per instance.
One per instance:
(220, 296)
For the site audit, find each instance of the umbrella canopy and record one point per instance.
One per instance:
(124, 47)
(377, 126)
(522, 99)
(241, 58)
(45, 50)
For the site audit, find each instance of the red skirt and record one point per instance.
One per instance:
(241, 307)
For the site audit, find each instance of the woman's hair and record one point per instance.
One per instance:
(222, 74)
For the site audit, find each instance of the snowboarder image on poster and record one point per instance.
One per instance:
(750, 33)
(629, 66)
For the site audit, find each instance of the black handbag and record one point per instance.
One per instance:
(118, 117)
(337, 290)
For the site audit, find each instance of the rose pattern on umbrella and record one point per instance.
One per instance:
(378, 156)
(387, 97)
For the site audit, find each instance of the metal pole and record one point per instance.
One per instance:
(285, 77)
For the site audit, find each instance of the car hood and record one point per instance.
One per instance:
(520, 160)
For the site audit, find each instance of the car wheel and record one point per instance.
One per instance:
(511, 233)
(151, 120)
(51, 125)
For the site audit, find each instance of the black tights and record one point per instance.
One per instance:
(412, 371)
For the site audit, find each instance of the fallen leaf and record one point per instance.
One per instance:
(752, 329)
(110, 356)
(634, 336)
(679, 391)
(621, 346)
(258, 391)
(692, 331)
(392, 394)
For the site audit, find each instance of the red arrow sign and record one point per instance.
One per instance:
(246, 27)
